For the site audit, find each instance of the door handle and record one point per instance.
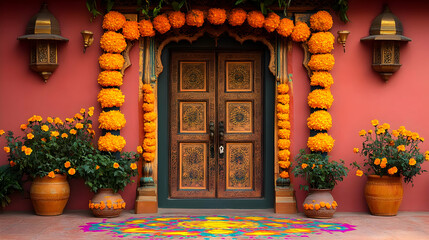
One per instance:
(212, 133)
(221, 139)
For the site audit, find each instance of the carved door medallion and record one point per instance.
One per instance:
(215, 125)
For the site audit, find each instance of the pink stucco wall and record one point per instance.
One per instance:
(360, 94)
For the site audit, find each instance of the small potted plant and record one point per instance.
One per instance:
(389, 156)
(321, 175)
(48, 151)
(105, 174)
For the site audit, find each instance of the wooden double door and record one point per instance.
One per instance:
(215, 122)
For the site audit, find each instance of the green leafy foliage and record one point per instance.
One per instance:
(318, 171)
(10, 181)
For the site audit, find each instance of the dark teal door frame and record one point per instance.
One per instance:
(226, 44)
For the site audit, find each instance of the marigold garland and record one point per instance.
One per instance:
(320, 98)
(113, 42)
(321, 78)
(216, 16)
(319, 120)
(149, 157)
(149, 127)
(111, 61)
(322, 142)
(111, 120)
(301, 32)
(321, 21)
(284, 155)
(111, 143)
(283, 116)
(255, 19)
(195, 18)
(284, 174)
(146, 28)
(282, 108)
(110, 97)
(284, 144)
(161, 23)
(236, 17)
(131, 30)
(321, 62)
(150, 135)
(283, 98)
(149, 116)
(284, 164)
(271, 22)
(147, 107)
(149, 98)
(110, 79)
(283, 124)
(321, 42)
(147, 88)
(177, 19)
(284, 133)
(113, 21)
(282, 88)
(149, 142)
(285, 27)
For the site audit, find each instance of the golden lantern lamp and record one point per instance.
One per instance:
(88, 39)
(386, 33)
(342, 38)
(43, 32)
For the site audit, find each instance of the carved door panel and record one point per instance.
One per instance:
(215, 125)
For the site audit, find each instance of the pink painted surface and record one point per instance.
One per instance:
(360, 94)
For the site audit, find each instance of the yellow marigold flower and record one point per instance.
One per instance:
(369, 131)
(255, 19)
(381, 131)
(139, 149)
(148, 107)
(321, 62)
(110, 97)
(146, 28)
(395, 133)
(67, 164)
(64, 135)
(28, 151)
(272, 22)
(374, 122)
(362, 132)
(392, 170)
(284, 174)
(237, 16)
(149, 117)
(39, 118)
(216, 16)
(422, 139)
(44, 128)
(73, 131)
(51, 174)
(131, 30)
(359, 173)
(149, 157)
(30, 136)
(316, 207)
(90, 111)
(72, 171)
(50, 120)
(282, 88)
(112, 120)
(300, 32)
(328, 206)
(283, 124)
(69, 120)
(177, 19)
(6, 149)
(412, 162)
(401, 148)
(304, 165)
(383, 163)
(115, 165)
(111, 61)
(377, 161)
(113, 21)
(320, 98)
(97, 167)
(161, 23)
(321, 42)
(113, 42)
(320, 120)
(355, 150)
(284, 164)
(427, 155)
(149, 127)
(55, 133)
(23, 148)
(285, 27)
(321, 21)
(284, 133)
(322, 142)
(111, 143)
(79, 126)
(322, 204)
(284, 155)
(386, 126)
(321, 78)
(283, 98)
(195, 18)
(78, 116)
(283, 108)
(57, 120)
(283, 143)
(334, 203)
(133, 166)
(149, 98)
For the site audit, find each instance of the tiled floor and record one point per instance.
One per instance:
(26, 225)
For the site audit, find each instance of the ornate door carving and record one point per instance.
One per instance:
(215, 125)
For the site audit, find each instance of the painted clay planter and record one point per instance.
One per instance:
(383, 195)
(50, 195)
(106, 203)
(319, 204)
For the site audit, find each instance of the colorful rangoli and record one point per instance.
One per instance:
(206, 227)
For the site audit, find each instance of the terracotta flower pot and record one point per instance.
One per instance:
(319, 204)
(50, 195)
(383, 195)
(106, 203)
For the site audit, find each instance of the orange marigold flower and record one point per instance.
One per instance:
(310, 206)
(321, 142)
(73, 131)
(283, 98)
(28, 151)
(111, 61)
(161, 23)
(112, 120)
(255, 19)
(321, 78)
(328, 206)
(272, 22)
(110, 79)
(355, 150)
(67, 164)
(113, 42)
(110, 97)
(97, 167)
(50, 120)
(377, 161)
(131, 30)
(139, 149)
(412, 162)
(72, 171)
(359, 173)
(23, 127)
(216, 16)
(401, 148)
(43, 139)
(322, 204)
(30, 136)
(113, 21)
(305, 206)
(362, 132)
(78, 116)
(55, 133)
(301, 32)
(319, 120)
(284, 164)
(317, 207)
(284, 133)
(283, 143)
(6, 149)
(321, 21)
(79, 126)
(149, 98)
(284, 155)
(148, 107)
(44, 128)
(111, 143)
(282, 88)
(283, 124)
(320, 98)
(177, 19)
(146, 28)
(12, 164)
(304, 165)
(374, 122)
(321, 62)
(236, 17)
(115, 165)
(149, 157)
(133, 166)
(392, 170)
(285, 27)
(51, 174)
(195, 18)
(57, 170)
(284, 174)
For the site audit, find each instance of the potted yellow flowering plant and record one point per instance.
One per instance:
(48, 151)
(389, 156)
(105, 174)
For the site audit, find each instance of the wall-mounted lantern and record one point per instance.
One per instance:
(386, 33)
(342, 38)
(88, 39)
(43, 32)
